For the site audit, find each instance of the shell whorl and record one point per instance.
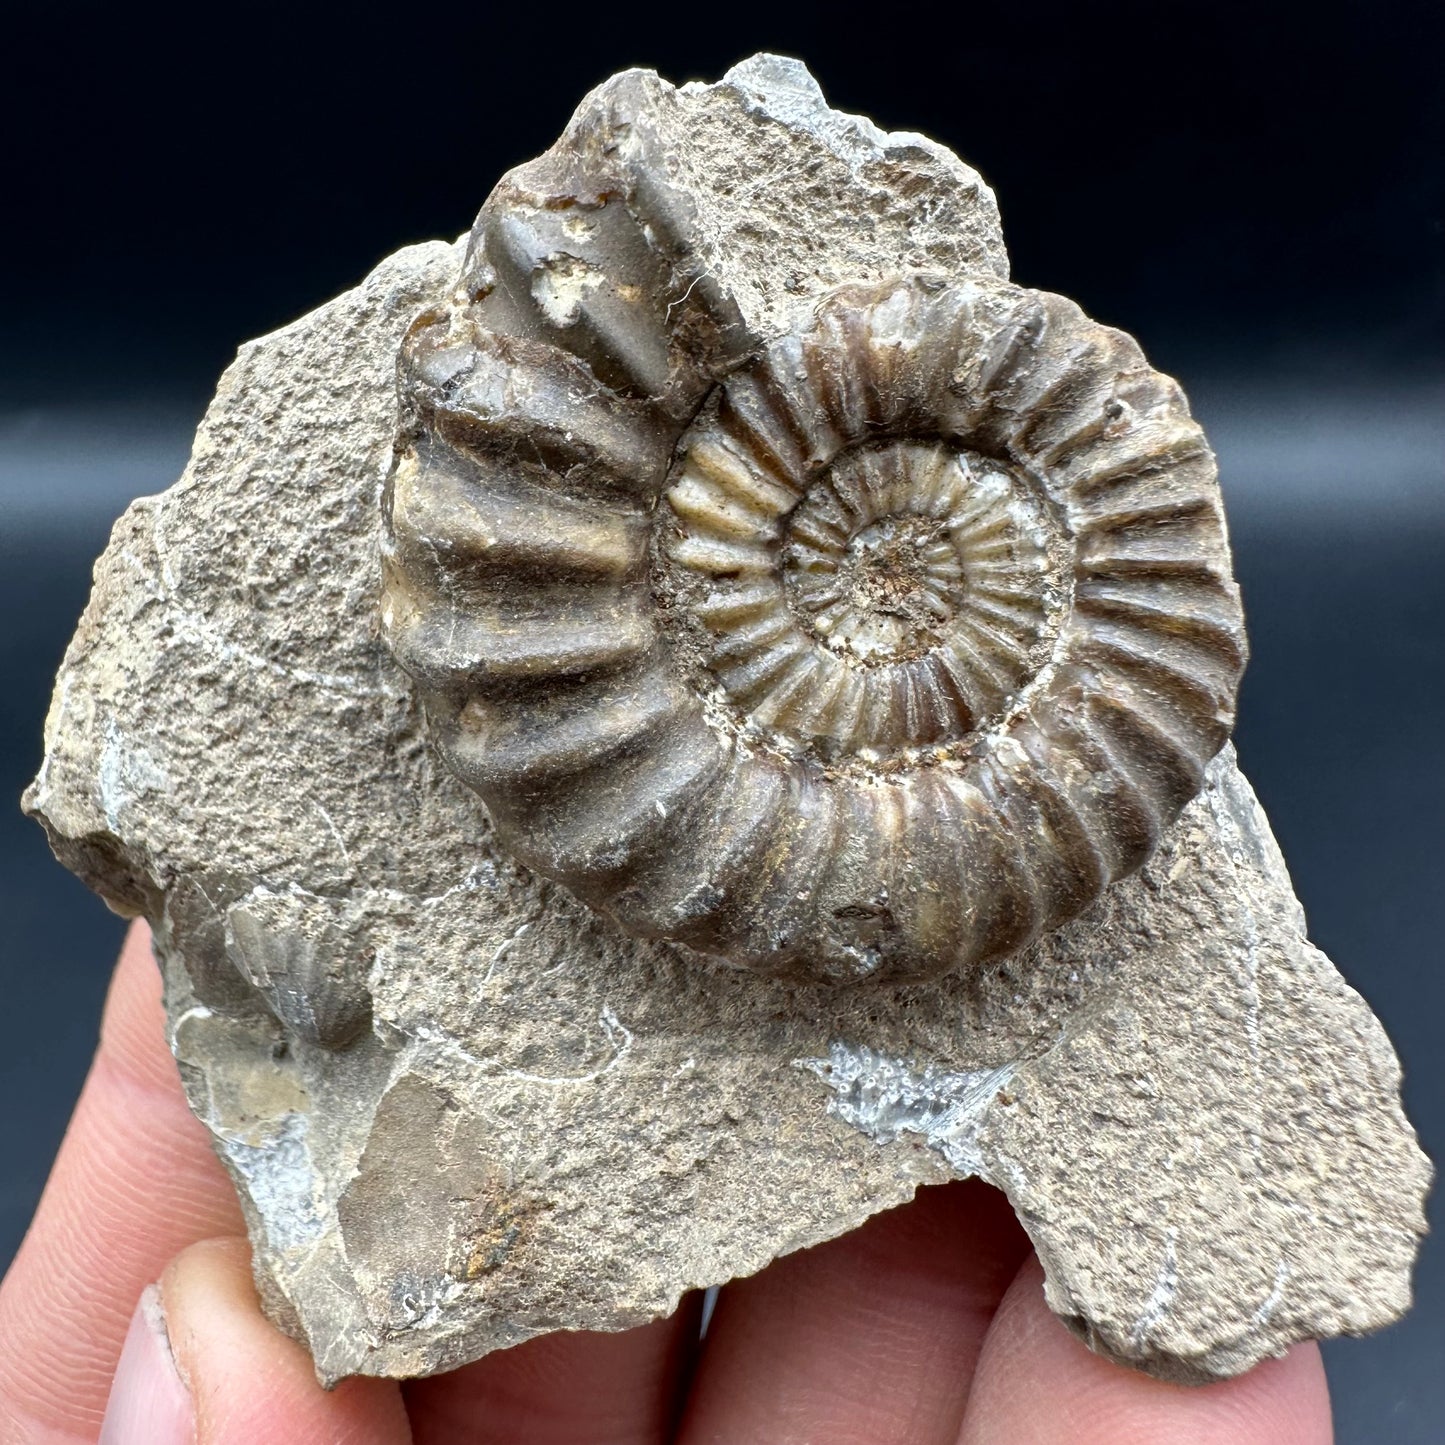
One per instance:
(878, 649)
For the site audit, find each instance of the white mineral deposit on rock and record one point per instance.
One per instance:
(951, 721)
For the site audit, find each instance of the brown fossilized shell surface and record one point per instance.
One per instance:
(874, 649)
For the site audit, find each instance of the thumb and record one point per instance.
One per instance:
(202, 1366)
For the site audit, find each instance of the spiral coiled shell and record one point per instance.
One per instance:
(874, 650)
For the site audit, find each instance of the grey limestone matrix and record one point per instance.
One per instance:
(649, 734)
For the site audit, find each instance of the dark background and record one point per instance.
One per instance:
(1257, 192)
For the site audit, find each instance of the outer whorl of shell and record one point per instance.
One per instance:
(877, 650)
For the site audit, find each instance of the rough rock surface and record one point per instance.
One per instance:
(461, 1110)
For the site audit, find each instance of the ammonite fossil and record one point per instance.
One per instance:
(875, 649)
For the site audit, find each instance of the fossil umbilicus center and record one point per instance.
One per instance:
(919, 589)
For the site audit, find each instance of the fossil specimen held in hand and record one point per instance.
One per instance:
(800, 594)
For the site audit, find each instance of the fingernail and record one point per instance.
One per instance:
(149, 1403)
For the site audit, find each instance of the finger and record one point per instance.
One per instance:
(1037, 1385)
(222, 1374)
(134, 1183)
(868, 1340)
(569, 1388)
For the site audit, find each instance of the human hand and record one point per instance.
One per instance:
(927, 1326)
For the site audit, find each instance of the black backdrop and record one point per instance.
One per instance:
(1247, 183)
(1256, 191)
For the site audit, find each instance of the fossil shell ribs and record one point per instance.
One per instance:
(876, 650)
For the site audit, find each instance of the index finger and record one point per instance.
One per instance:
(135, 1182)
(1037, 1385)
